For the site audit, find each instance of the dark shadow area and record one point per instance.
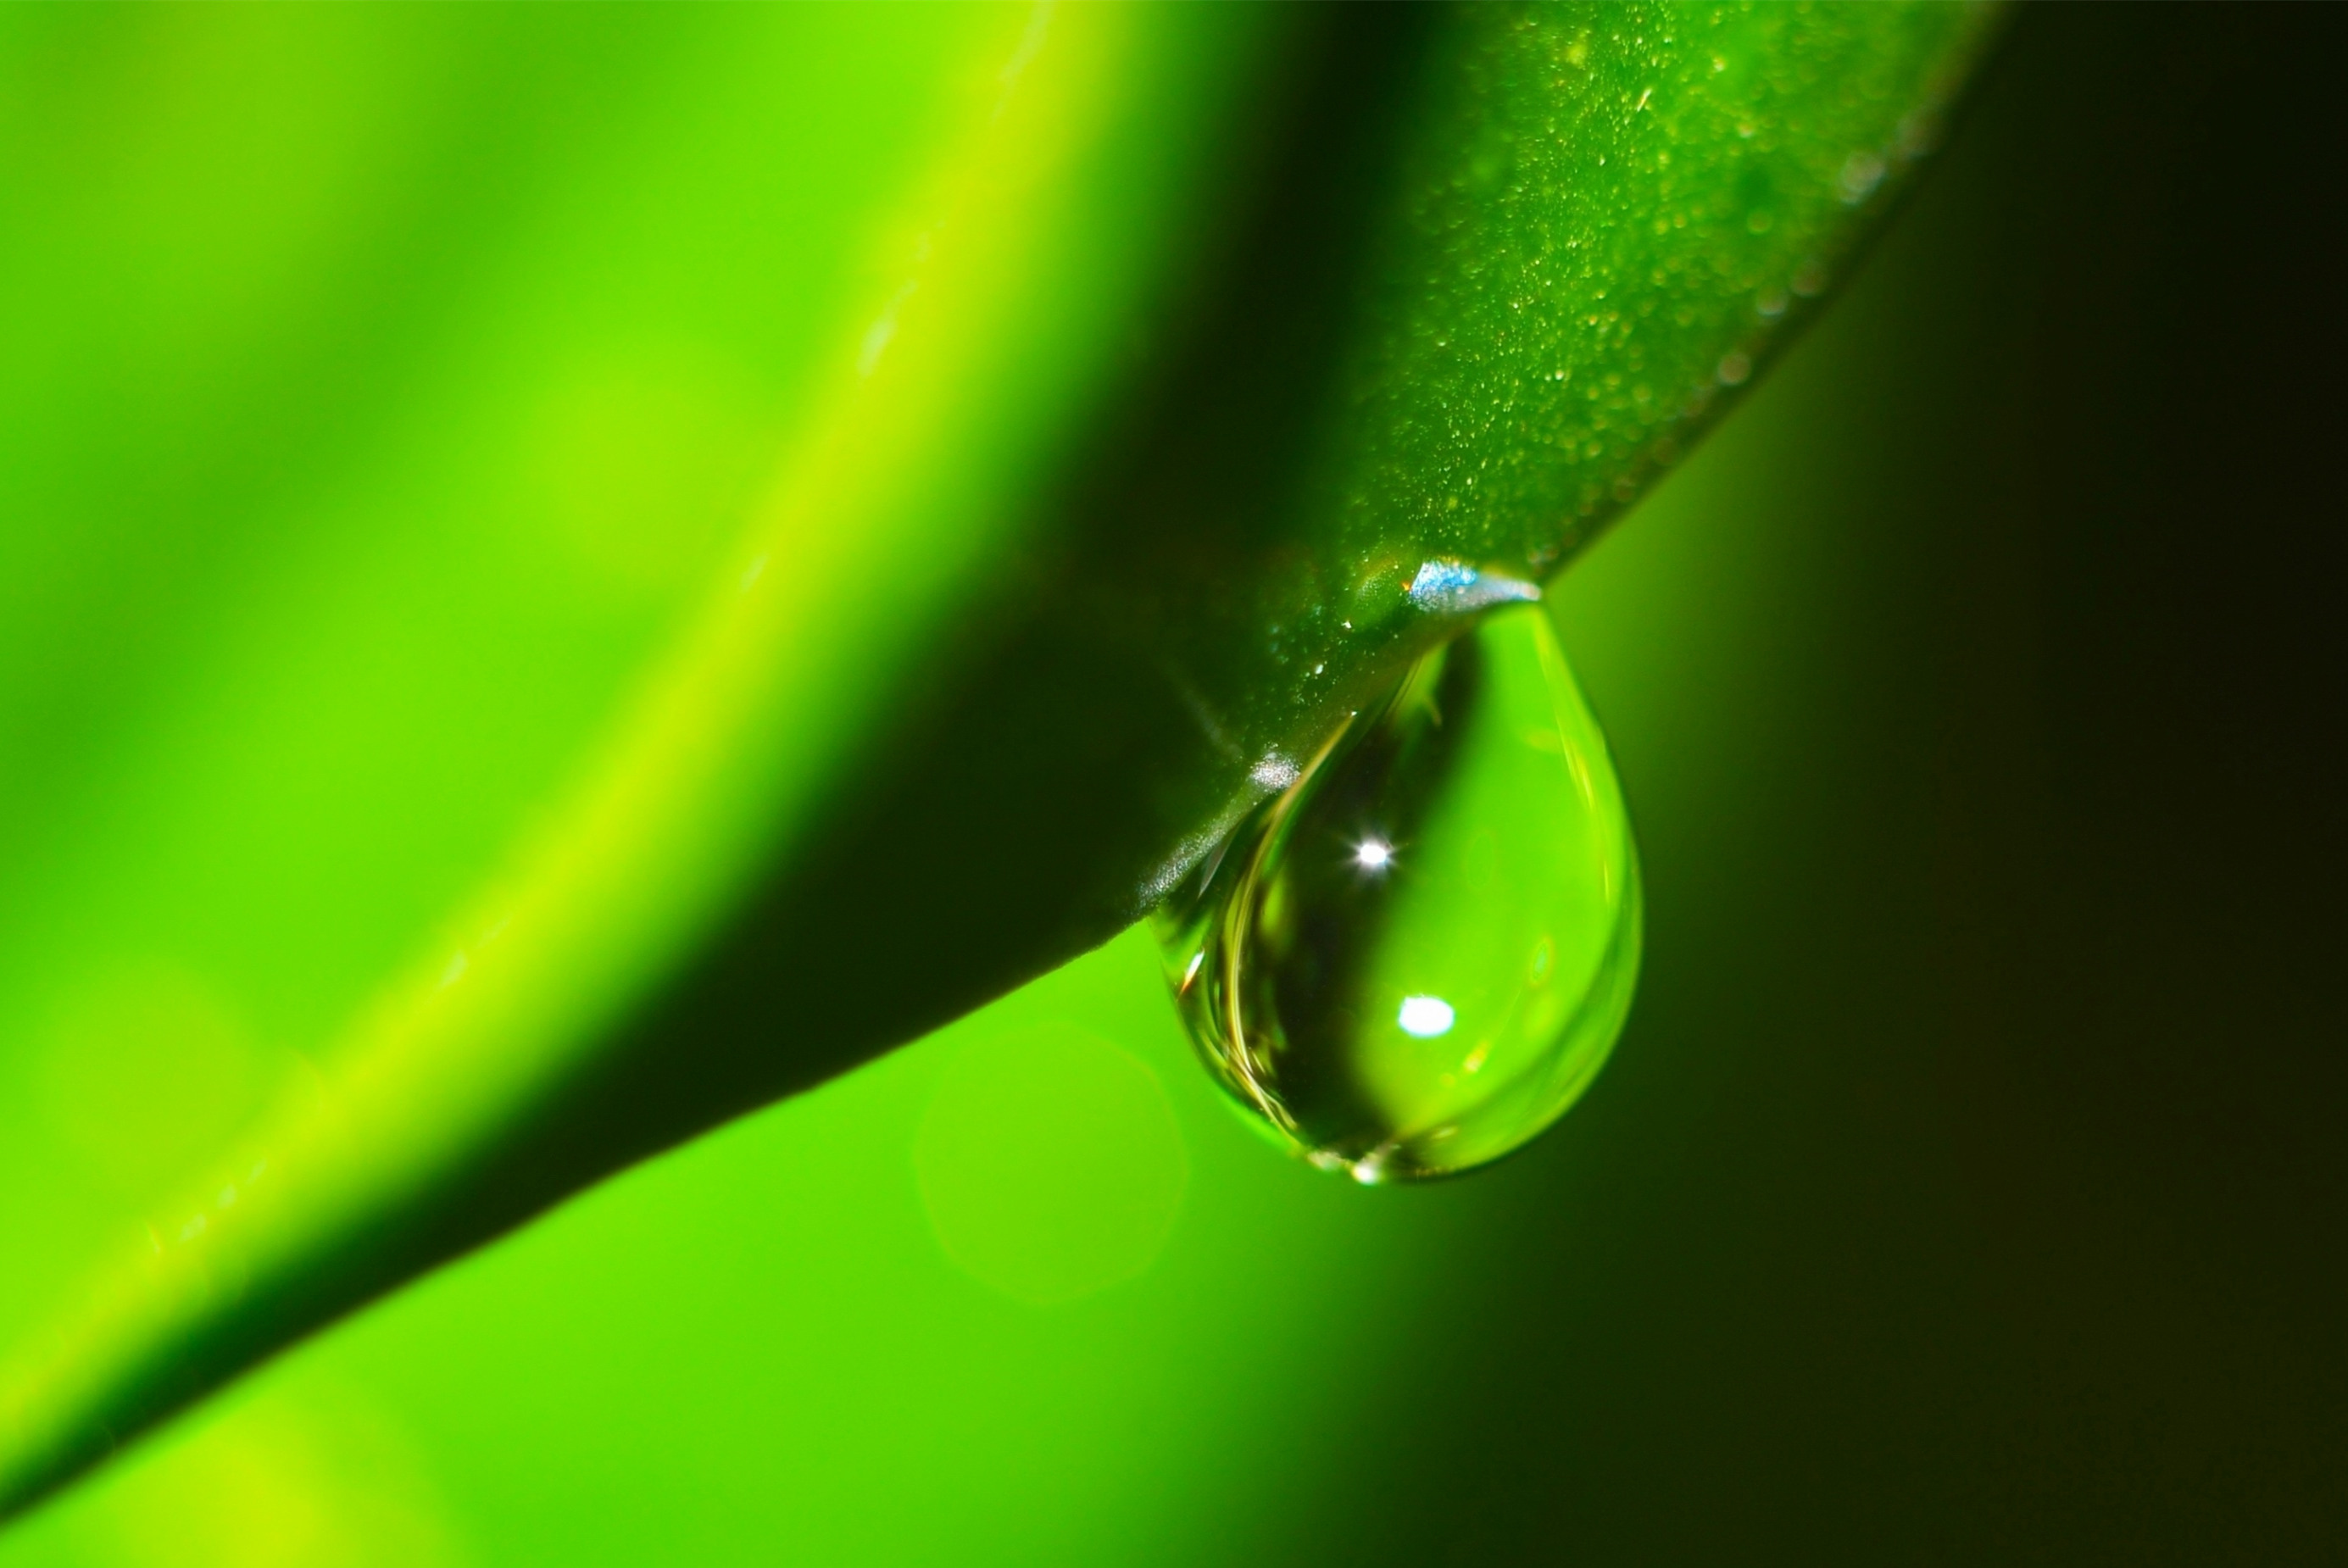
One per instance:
(1970, 1186)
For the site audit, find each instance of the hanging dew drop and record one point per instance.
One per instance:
(1416, 956)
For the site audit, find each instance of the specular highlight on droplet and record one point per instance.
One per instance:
(1416, 958)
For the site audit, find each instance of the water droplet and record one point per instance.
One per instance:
(1417, 957)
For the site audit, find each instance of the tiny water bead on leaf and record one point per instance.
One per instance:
(1412, 960)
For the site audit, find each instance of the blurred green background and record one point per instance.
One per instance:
(1965, 1186)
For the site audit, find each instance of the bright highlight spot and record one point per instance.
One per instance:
(1275, 772)
(1373, 855)
(1425, 1017)
(1454, 587)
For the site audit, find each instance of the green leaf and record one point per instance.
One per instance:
(605, 569)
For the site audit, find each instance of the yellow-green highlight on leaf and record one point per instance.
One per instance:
(897, 485)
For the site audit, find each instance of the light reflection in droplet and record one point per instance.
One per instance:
(1425, 1017)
